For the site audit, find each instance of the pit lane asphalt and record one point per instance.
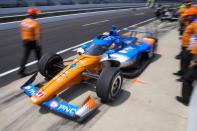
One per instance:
(61, 35)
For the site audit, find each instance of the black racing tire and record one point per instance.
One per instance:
(155, 44)
(109, 84)
(46, 65)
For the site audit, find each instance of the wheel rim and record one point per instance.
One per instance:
(116, 85)
(52, 69)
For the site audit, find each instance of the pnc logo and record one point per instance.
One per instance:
(67, 109)
(53, 104)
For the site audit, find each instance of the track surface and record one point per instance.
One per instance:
(61, 35)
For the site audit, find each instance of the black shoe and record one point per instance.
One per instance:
(182, 100)
(178, 56)
(178, 73)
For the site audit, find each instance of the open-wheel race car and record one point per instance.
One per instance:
(105, 60)
(167, 13)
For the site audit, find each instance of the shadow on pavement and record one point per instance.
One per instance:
(124, 95)
(156, 57)
(76, 91)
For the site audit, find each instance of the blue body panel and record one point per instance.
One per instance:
(129, 40)
(132, 51)
(143, 47)
(53, 104)
(124, 46)
(128, 51)
(108, 40)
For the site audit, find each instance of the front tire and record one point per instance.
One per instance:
(50, 65)
(109, 84)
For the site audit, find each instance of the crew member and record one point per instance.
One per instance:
(183, 22)
(30, 33)
(190, 16)
(189, 78)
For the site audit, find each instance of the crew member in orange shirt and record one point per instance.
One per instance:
(190, 15)
(183, 23)
(191, 73)
(30, 33)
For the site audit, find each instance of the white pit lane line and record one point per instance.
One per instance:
(139, 14)
(94, 23)
(65, 50)
(52, 17)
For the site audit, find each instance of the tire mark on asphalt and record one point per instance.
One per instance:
(7, 102)
(16, 124)
(12, 98)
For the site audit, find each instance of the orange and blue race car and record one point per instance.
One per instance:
(106, 60)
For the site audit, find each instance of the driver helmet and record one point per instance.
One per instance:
(105, 33)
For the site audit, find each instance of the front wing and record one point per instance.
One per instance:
(78, 113)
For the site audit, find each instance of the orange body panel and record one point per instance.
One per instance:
(67, 77)
(149, 40)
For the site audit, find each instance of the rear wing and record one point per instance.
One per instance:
(136, 31)
(78, 113)
(133, 33)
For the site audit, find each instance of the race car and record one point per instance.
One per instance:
(104, 61)
(125, 52)
(167, 13)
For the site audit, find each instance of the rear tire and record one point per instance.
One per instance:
(50, 65)
(109, 84)
(155, 44)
